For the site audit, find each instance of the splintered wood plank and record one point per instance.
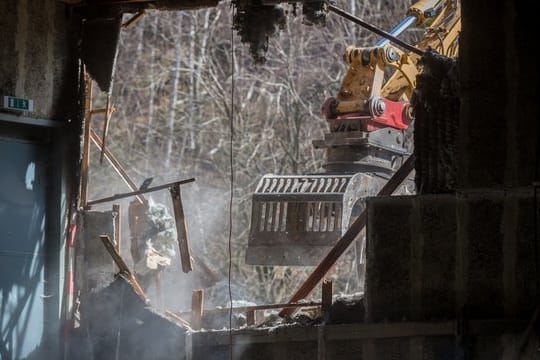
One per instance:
(85, 166)
(177, 318)
(117, 227)
(251, 317)
(346, 240)
(197, 303)
(108, 113)
(116, 165)
(134, 19)
(327, 291)
(181, 229)
(139, 192)
(124, 269)
(246, 309)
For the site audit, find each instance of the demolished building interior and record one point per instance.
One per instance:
(449, 271)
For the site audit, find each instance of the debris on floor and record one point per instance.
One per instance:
(122, 326)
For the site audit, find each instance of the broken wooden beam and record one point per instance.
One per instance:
(246, 309)
(85, 165)
(132, 20)
(326, 299)
(197, 303)
(124, 269)
(177, 318)
(108, 113)
(139, 192)
(98, 111)
(346, 240)
(116, 165)
(181, 229)
(251, 317)
(117, 226)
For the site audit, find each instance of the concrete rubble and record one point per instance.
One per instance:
(121, 325)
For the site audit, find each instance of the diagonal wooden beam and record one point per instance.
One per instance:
(124, 269)
(108, 113)
(139, 192)
(177, 318)
(116, 165)
(181, 228)
(132, 20)
(346, 240)
(197, 305)
(85, 164)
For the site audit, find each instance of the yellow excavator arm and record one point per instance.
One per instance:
(296, 219)
(364, 82)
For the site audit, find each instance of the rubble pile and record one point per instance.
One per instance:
(121, 325)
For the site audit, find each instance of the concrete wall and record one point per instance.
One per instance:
(96, 268)
(404, 341)
(436, 104)
(38, 61)
(498, 131)
(471, 253)
(468, 255)
(122, 326)
(37, 56)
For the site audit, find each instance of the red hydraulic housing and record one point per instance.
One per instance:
(381, 113)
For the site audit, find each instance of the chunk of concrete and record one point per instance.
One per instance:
(448, 256)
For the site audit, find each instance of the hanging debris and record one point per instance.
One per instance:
(315, 12)
(436, 105)
(256, 24)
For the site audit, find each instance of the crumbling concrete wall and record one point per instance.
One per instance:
(38, 61)
(38, 58)
(121, 325)
(95, 264)
(436, 106)
(472, 251)
(468, 255)
(498, 131)
(410, 341)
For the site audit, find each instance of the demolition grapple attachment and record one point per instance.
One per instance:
(296, 220)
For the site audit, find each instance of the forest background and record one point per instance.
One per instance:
(172, 92)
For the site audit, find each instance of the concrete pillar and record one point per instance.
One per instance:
(498, 131)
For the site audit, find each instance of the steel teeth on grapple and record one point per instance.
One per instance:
(295, 220)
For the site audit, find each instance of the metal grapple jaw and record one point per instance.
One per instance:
(296, 220)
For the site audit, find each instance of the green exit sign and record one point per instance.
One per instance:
(14, 103)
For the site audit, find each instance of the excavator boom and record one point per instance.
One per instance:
(297, 219)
